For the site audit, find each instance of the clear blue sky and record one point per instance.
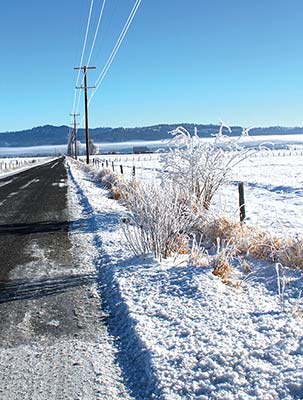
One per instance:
(181, 61)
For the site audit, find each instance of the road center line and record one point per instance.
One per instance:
(29, 183)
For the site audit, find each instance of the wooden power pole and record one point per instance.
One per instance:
(75, 132)
(85, 87)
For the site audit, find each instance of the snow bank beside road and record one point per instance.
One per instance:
(23, 165)
(186, 335)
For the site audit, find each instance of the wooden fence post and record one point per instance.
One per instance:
(241, 201)
(134, 170)
(113, 166)
(121, 169)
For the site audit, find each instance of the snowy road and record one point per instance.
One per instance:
(53, 341)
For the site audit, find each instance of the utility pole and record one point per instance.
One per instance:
(75, 132)
(69, 146)
(85, 87)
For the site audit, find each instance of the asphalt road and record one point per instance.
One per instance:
(50, 319)
(32, 204)
(35, 257)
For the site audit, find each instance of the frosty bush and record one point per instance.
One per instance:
(200, 168)
(159, 220)
(107, 177)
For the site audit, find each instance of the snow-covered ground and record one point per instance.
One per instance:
(33, 151)
(182, 333)
(9, 166)
(273, 182)
(273, 192)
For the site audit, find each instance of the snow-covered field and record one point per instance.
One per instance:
(10, 166)
(273, 192)
(33, 151)
(182, 333)
(273, 182)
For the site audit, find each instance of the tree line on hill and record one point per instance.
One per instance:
(56, 135)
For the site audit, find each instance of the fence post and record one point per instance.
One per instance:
(241, 201)
(106, 162)
(134, 170)
(121, 169)
(113, 166)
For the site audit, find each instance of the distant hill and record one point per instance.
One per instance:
(55, 135)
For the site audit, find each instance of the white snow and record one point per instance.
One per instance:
(182, 333)
(12, 166)
(273, 183)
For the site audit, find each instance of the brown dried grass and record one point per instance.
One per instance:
(181, 245)
(252, 241)
(223, 269)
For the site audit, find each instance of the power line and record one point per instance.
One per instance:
(116, 47)
(83, 50)
(93, 44)
(96, 32)
(107, 23)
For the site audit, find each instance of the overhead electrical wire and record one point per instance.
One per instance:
(96, 32)
(116, 48)
(93, 43)
(83, 51)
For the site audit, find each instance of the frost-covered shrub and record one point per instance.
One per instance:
(111, 181)
(159, 220)
(81, 165)
(199, 168)
(107, 177)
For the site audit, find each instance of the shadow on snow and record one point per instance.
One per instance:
(132, 356)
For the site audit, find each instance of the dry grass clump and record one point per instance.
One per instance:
(113, 182)
(83, 166)
(291, 253)
(116, 193)
(264, 245)
(107, 177)
(199, 258)
(181, 245)
(246, 267)
(223, 267)
(252, 241)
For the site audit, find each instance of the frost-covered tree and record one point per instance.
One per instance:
(198, 168)
(245, 131)
(93, 149)
(223, 126)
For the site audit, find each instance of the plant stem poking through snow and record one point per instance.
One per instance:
(281, 283)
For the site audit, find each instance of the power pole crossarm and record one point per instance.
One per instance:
(85, 87)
